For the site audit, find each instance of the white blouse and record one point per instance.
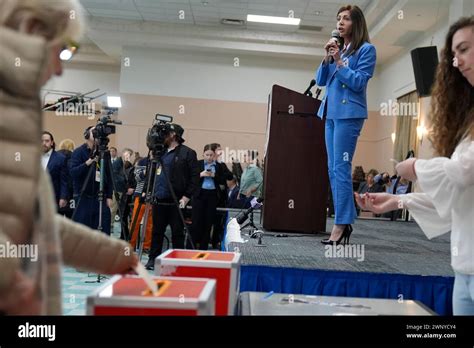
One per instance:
(447, 202)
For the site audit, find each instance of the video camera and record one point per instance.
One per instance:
(104, 127)
(161, 128)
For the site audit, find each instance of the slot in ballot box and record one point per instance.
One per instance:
(129, 295)
(261, 303)
(224, 267)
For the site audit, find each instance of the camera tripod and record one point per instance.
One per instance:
(100, 150)
(154, 161)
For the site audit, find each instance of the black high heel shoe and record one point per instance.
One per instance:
(344, 238)
(347, 234)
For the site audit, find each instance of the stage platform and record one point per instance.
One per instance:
(386, 259)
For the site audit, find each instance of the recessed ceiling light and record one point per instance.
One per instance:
(273, 20)
(318, 13)
(205, 3)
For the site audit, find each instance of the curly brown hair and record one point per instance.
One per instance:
(452, 102)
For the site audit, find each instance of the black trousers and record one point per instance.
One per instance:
(204, 211)
(165, 214)
(125, 210)
(218, 227)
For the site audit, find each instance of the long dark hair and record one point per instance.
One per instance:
(452, 102)
(360, 33)
(52, 139)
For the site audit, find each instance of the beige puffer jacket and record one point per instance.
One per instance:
(27, 209)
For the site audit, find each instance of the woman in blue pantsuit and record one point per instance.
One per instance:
(345, 73)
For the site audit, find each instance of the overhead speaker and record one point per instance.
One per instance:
(425, 61)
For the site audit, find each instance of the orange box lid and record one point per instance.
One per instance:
(201, 255)
(176, 287)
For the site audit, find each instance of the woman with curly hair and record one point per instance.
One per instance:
(447, 201)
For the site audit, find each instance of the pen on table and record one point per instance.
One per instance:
(268, 295)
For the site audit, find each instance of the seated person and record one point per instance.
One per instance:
(370, 185)
(234, 198)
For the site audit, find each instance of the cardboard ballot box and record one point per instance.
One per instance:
(129, 295)
(224, 267)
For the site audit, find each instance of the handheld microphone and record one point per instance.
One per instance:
(255, 204)
(340, 42)
(308, 90)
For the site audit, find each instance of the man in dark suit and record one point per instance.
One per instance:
(234, 200)
(56, 165)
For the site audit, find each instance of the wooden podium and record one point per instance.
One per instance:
(295, 173)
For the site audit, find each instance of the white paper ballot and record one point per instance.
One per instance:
(143, 273)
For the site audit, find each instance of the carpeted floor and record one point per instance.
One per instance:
(384, 247)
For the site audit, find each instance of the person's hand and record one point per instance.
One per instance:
(406, 169)
(90, 161)
(62, 203)
(377, 202)
(183, 201)
(128, 265)
(129, 269)
(335, 53)
(205, 174)
(130, 191)
(109, 202)
(331, 43)
(20, 299)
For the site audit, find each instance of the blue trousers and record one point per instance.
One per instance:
(341, 140)
(463, 294)
(88, 213)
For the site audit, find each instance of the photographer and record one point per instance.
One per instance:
(179, 163)
(86, 203)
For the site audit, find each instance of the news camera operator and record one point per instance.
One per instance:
(86, 202)
(179, 163)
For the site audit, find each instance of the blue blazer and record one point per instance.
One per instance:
(58, 171)
(346, 87)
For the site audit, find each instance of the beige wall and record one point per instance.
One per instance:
(375, 146)
(236, 125)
